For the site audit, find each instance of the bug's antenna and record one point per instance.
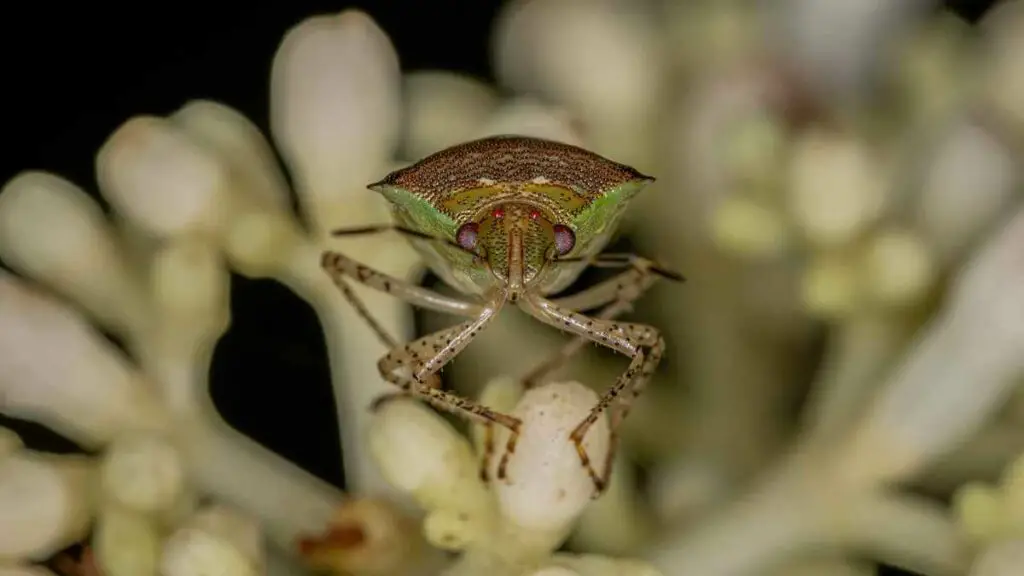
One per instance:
(622, 261)
(378, 228)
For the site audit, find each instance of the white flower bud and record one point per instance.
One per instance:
(335, 105)
(980, 512)
(143, 472)
(191, 552)
(233, 526)
(443, 109)
(215, 541)
(46, 504)
(52, 231)
(57, 370)
(755, 148)
(749, 228)
(836, 187)
(831, 286)
(450, 530)
(898, 267)
(969, 181)
(1001, 559)
(161, 180)
(547, 487)
(600, 58)
(421, 453)
(241, 146)
(259, 243)
(126, 543)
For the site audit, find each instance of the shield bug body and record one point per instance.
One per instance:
(511, 219)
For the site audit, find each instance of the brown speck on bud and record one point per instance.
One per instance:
(65, 564)
(366, 536)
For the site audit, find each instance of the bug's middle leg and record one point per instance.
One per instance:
(413, 365)
(642, 343)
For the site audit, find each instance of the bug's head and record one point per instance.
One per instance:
(517, 240)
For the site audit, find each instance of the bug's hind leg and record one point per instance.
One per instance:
(642, 343)
(620, 397)
(410, 366)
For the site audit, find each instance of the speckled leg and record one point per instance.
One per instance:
(642, 343)
(409, 367)
(338, 266)
(615, 294)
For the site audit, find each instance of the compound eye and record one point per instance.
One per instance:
(467, 235)
(565, 239)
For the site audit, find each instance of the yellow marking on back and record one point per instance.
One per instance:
(468, 199)
(565, 198)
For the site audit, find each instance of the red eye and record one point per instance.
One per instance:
(565, 239)
(498, 213)
(534, 214)
(467, 235)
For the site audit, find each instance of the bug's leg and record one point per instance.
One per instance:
(356, 302)
(642, 343)
(338, 266)
(409, 366)
(616, 294)
(383, 336)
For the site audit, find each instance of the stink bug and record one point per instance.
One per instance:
(512, 219)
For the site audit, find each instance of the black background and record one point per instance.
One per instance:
(71, 76)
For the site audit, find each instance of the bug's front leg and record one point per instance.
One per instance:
(616, 294)
(410, 367)
(339, 267)
(642, 343)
